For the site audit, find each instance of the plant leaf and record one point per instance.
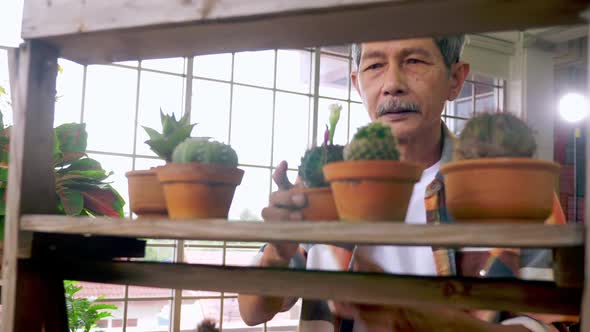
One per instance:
(72, 137)
(152, 133)
(85, 164)
(72, 201)
(103, 201)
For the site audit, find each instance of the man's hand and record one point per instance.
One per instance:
(286, 206)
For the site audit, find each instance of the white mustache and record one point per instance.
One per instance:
(396, 105)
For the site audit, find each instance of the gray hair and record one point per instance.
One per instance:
(450, 47)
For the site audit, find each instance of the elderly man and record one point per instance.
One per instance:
(404, 84)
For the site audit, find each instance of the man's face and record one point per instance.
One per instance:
(405, 83)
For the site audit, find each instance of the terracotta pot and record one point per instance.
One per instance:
(199, 191)
(146, 198)
(372, 190)
(496, 189)
(320, 204)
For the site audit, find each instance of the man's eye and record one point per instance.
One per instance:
(414, 61)
(374, 66)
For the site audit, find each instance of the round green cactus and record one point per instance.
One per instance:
(312, 163)
(494, 135)
(372, 142)
(203, 150)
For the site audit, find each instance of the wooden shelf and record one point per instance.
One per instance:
(456, 235)
(97, 31)
(370, 288)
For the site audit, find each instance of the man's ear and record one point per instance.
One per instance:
(459, 73)
(354, 77)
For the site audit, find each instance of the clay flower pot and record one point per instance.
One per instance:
(320, 204)
(372, 190)
(197, 190)
(497, 189)
(146, 198)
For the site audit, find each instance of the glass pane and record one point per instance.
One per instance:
(286, 321)
(251, 132)
(341, 134)
(358, 117)
(69, 93)
(93, 289)
(149, 315)
(147, 163)
(240, 257)
(109, 110)
(216, 66)
(232, 321)
(193, 312)
(115, 322)
(210, 109)
(209, 256)
(147, 292)
(194, 293)
(455, 125)
(256, 68)
(252, 195)
(294, 70)
(172, 65)
(291, 128)
(334, 77)
(462, 109)
(485, 104)
(481, 89)
(343, 50)
(466, 91)
(132, 63)
(5, 107)
(157, 91)
(159, 254)
(119, 166)
(483, 79)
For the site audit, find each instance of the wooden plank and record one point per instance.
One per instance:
(457, 235)
(31, 187)
(97, 32)
(370, 288)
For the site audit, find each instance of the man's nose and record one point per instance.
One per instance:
(394, 82)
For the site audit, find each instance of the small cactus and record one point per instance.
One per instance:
(372, 142)
(314, 159)
(203, 150)
(494, 135)
(173, 132)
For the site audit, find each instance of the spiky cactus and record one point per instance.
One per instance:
(173, 132)
(314, 159)
(203, 150)
(493, 135)
(372, 142)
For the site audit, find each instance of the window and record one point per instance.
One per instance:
(262, 103)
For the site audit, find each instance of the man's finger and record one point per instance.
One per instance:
(287, 199)
(280, 176)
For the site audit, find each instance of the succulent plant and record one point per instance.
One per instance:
(204, 150)
(173, 133)
(493, 135)
(314, 159)
(372, 142)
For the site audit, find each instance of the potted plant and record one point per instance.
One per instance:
(494, 175)
(146, 197)
(200, 181)
(320, 201)
(372, 184)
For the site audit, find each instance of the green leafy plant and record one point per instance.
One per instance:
(80, 182)
(372, 142)
(83, 313)
(493, 135)
(173, 133)
(204, 150)
(311, 167)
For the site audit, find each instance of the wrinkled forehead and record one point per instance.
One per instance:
(426, 46)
